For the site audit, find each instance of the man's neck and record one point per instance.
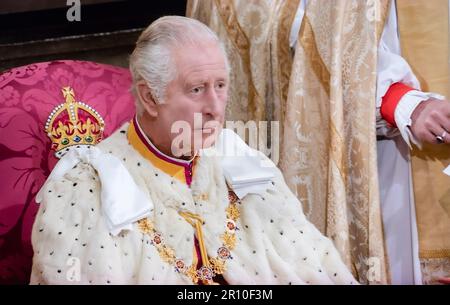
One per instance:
(148, 126)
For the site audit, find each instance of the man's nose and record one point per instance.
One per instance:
(214, 104)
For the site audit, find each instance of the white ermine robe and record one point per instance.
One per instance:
(275, 242)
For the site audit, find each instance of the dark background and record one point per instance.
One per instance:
(38, 30)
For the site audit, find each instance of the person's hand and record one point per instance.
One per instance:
(431, 121)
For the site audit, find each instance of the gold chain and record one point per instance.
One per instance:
(211, 266)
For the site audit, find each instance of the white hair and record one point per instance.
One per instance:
(152, 58)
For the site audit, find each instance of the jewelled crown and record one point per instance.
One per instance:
(73, 124)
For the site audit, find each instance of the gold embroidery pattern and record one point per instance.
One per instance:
(341, 198)
(383, 8)
(285, 57)
(213, 266)
(228, 13)
(308, 42)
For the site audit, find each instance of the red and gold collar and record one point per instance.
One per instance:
(178, 168)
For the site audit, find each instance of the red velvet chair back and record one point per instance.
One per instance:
(27, 96)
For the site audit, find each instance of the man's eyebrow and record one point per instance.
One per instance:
(195, 81)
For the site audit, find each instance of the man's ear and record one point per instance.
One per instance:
(146, 98)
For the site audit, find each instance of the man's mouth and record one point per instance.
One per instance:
(205, 130)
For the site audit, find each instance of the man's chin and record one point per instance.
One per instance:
(209, 140)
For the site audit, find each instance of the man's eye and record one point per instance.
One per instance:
(220, 85)
(197, 90)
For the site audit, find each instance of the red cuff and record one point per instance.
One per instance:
(390, 101)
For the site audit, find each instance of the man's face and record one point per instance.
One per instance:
(199, 91)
